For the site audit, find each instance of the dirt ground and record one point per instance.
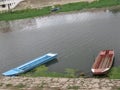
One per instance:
(43, 3)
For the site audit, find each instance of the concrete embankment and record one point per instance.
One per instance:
(48, 83)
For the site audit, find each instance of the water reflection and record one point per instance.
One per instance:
(4, 27)
(17, 25)
(26, 24)
(69, 18)
(76, 37)
(115, 10)
(30, 24)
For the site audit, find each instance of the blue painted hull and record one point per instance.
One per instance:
(30, 65)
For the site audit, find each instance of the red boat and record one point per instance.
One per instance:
(103, 62)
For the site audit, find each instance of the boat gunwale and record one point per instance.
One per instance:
(103, 70)
(18, 69)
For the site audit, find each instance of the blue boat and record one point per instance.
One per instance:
(30, 65)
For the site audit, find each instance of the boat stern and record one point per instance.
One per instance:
(12, 72)
(99, 71)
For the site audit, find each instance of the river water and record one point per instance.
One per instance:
(76, 37)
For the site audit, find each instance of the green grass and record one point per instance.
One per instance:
(73, 87)
(1, 84)
(118, 88)
(29, 13)
(20, 86)
(9, 85)
(24, 14)
(43, 72)
(114, 73)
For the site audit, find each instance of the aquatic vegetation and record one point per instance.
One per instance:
(43, 72)
(70, 73)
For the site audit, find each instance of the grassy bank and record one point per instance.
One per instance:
(29, 13)
(114, 73)
(43, 72)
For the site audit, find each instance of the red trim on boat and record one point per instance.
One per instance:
(103, 62)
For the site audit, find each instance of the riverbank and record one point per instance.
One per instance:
(30, 13)
(47, 83)
(60, 83)
(44, 3)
